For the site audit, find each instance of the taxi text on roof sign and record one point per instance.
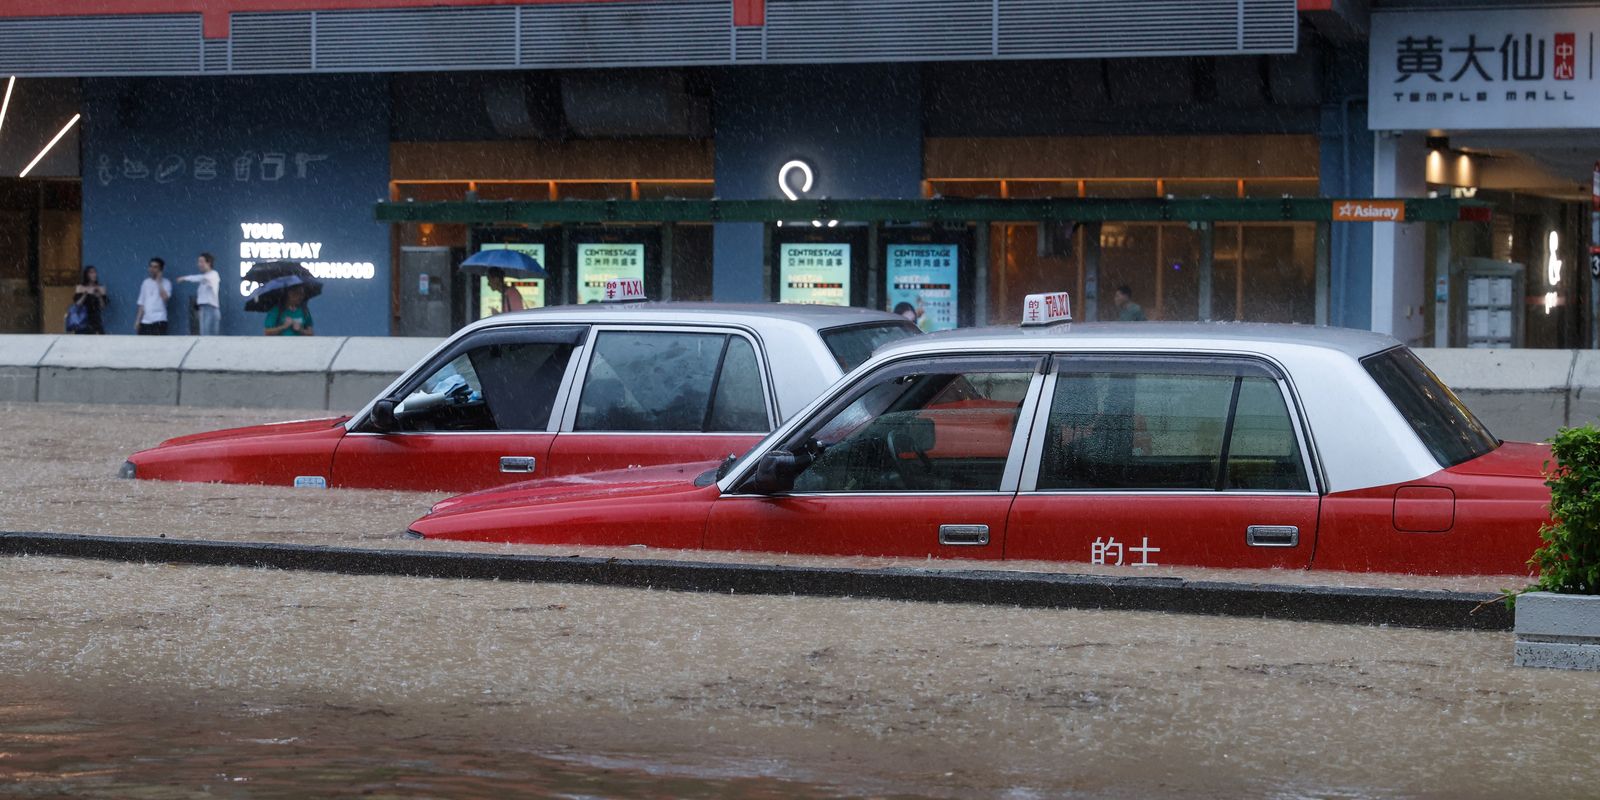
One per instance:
(1046, 309)
(621, 289)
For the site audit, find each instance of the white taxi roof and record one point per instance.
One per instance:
(815, 317)
(1254, 337)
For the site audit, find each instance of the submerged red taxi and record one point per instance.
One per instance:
(1129, 445)
(555, 391)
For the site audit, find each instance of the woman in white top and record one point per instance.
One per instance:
(205, 295)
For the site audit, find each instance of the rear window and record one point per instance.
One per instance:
(852, 346)
(1440, 419)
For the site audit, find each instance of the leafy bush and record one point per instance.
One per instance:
(1569, 561)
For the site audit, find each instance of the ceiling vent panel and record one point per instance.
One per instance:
(272, 43)
(146, 44)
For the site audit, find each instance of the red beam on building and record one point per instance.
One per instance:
(749, 13)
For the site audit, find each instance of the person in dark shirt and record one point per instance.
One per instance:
(1127, 310)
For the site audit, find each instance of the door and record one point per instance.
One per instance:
(425, 291)
(1152, 461)
(919, 459)
(478, 415)
(652, 396)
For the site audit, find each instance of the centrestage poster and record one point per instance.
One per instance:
(921, 281)
(530, 289)
(813, 273)
(598, 263)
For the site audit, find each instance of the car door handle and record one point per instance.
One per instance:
(964, 535)
(517, 463)
(1272, 536)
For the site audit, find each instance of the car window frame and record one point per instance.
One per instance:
(569, 411)
(1029, 484)
(450, 351)
(844, 395)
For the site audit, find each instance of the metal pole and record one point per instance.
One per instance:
(767, 266)
(1208, 251)
(874, 229)
(1091, 271)
(980, 273)
(1441, 283)
(667, 229)
(569, 267)
(1324, 245)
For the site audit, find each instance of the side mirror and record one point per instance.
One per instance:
(774, 473)
(383, 417)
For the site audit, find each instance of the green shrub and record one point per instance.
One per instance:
(1569, 560)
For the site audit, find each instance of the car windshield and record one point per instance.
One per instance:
(1441, 420)
(852, 346)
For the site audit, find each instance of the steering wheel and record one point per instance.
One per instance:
(895, 462)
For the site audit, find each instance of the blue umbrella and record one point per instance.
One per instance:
(270, 294)
(514, 263)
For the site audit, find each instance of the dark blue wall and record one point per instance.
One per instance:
(143, 195)
(859, 126)
(1346, 171)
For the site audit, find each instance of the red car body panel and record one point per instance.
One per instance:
(1199, 529)
(863, 525)
(1497, 504)
(1491, 525)
(582, 453)
(452, 462)
(271, 454)
(664, 508)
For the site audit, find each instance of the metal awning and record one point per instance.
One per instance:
(953, 210)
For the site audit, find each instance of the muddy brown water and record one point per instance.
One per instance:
(135, 680)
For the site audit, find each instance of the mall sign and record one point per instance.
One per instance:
(1527, 68)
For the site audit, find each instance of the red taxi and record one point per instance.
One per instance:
(555, 391)
(1131, 445)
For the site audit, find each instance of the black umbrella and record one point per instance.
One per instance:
(264, 271)
(270, 294)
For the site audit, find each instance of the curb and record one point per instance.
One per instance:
(1410, 608)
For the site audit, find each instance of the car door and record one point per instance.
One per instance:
(1166, 460)
(651, 395)
(479, 414)
(920, 458)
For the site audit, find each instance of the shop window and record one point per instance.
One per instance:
(1128, 255)
(1283, 187)
(1116, 189)
(1041, 189)
(676, 190)
(964, 188)
(1176, 285)
(1279, 273)
(1017, 268)
(1178, 187)
(594, 190)
(522, 191)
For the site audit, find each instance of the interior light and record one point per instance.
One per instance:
(46, 150)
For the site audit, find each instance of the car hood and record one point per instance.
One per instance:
(269, 429)
(1510, 459)
(613, 484)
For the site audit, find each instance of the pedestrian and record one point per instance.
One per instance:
(1128, 311)
(90, 296)
(510, 296)
(151, 318)
(205, 294)
(290, 317)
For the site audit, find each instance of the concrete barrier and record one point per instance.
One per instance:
(19, 366)
(366, 366)
(290, 372)
(113, 369)
(1520, 394)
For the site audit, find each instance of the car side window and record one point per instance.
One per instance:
(668, 381)
(941, 429)
(1168, 426)
(505, 386)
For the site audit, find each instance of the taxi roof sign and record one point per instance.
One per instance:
(1046, 309)
(623, 290)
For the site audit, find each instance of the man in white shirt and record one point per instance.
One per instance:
(205, 295)
(151, 319)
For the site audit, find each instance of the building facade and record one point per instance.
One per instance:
(266, 129)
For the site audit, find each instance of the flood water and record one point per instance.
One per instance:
(56, 747)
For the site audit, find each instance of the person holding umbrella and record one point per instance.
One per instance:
(284, 289)
(498, 263)
(291, 317)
